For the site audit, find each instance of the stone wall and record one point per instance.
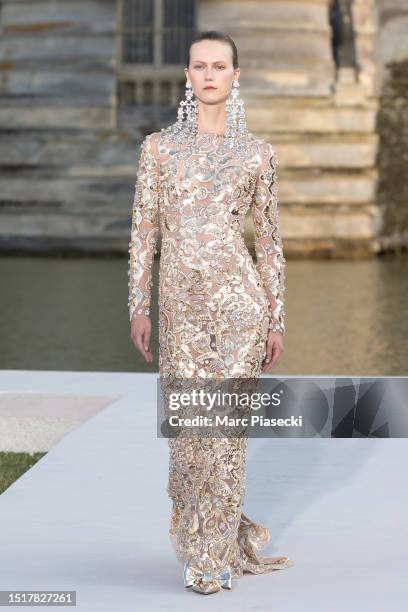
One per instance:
(68, 153)
(393, 123)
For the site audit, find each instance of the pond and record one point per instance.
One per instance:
(346, 318)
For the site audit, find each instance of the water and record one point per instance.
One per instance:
(342, 317)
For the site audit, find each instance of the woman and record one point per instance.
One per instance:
(219, 315)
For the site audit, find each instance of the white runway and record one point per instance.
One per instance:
(93, 514)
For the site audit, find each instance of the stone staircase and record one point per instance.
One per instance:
(68, 150)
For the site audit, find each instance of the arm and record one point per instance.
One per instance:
(267, 238)
(145, 229)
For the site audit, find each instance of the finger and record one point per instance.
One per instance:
(140, 347)
(268, 356)
(146, 340)
(266, 366)
(146, 345)
(269, 349)
(275, 353)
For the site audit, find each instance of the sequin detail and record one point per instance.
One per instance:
(215, 309)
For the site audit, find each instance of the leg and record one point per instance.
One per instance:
(210, 477)
(211, 536)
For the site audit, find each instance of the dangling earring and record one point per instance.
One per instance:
(188, 106)
(236, 119)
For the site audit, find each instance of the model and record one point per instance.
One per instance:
(220, 316)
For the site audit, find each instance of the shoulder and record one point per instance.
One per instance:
(156, 142)
(151, 140)
(265, 148)
(265, 153)
(150, 145)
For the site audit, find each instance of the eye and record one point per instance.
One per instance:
(222, 67)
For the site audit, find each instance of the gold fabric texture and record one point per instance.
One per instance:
(215, 309)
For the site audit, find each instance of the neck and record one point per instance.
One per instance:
(211, 119)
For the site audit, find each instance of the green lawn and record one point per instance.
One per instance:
(13, 465)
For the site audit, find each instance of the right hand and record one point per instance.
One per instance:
(274, 348)
(140, 331)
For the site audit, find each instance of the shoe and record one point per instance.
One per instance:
(201, 575)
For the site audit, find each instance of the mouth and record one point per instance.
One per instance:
(210, 87)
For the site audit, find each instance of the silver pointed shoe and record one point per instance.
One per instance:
(202, 578)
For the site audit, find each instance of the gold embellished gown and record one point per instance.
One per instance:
(215, 309)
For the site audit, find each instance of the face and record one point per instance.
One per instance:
(211, 66)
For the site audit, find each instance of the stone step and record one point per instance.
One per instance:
(263, 120)
(50, 115)
(268, 17)
(22, 49)
(82, 195)
(64, 227)
(67, 82)
(42, 17)
(326, 119)
(313, 222)
(274, 117)
(318, 228)
(280, 49)
(98, 153)
(89, 154)
(298, 80)
(286, 47)
(87, 195)
(93, 79)
(339, 151)
(341, 222)
(262, 99)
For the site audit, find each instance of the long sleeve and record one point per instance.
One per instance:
(267, 237)
(144, 231)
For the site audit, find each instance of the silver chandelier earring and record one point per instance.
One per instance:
(237, 129)
(188, 107)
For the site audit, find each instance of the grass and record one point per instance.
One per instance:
(14, 465)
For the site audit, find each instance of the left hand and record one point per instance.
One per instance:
(274, 347)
